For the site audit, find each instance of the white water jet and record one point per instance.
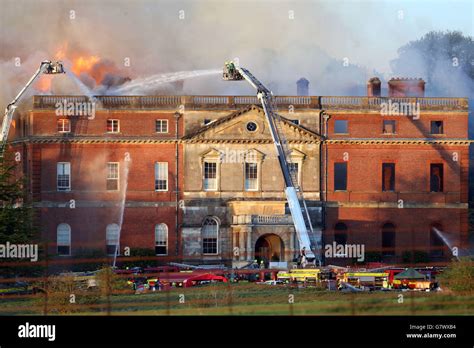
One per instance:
(146, 85)
(446, 241)
(84, 89)
(126, 169)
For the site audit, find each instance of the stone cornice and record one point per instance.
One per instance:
(93, 140)
(153, 140)
(400, 141)
(394, 205)
(144, 140)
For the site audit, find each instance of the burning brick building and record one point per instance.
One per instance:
(201, 182)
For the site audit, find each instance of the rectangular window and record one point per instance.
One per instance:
(388, 176)
(112, 242)
(64, 176)
(437, 127)
(210, 176)
(251, 176)
(161, 126)
(340, 176)
(209, 246)
(161, 176)
(340, 127)
(210, 234)
(436, 177)
(389, 127)
(64, 125)
(63, 240)
(161, 239)
(160, 247)
(113, 126)
(294, 172)
(112, 176)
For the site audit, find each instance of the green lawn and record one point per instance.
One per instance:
(244, 299)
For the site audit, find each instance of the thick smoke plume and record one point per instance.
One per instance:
(117, 43)
(141, 38)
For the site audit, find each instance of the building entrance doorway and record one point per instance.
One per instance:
(269, 248)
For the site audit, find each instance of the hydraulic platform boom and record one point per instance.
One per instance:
(294, 194)
(46, 67)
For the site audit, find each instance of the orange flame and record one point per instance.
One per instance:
(92, 65)
(84, 64)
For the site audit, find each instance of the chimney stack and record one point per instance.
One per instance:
(374, 87)
(406, 87)
(302, 87)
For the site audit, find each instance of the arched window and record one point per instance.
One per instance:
(340, 233)
(112, 239)
(64, 239)
(161, 239)
(388, 239)
(210, 234)
(436, 242)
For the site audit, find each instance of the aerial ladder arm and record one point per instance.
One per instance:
(46, 67)
(294, 194)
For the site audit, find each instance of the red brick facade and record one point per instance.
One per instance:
(363, 207)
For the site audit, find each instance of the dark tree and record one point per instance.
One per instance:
(16, 214)
(444, 59)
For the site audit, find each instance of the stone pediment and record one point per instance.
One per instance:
(249, 125)
(211, 154)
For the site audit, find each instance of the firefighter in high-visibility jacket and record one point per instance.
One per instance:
(152, 283)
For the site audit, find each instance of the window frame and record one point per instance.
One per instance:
(346, 177)
(298, 172)
(108, 229)
(166, 239)
(204, 179)
(394, 122)
(210, 218)
(257, 178)
(116, 179)
(69, 237)
(112, 121)
(162, 121)
(434, 165)
(439, 127)
(60, 123)
(68, 188)
(157, 176)
(247, 124)
(393, 178)
(346, 126)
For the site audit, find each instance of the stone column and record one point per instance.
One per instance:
(292, 246)
(242, 249)
(236, 234)
(249, 254)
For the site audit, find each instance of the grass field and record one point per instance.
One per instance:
(243, 299)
